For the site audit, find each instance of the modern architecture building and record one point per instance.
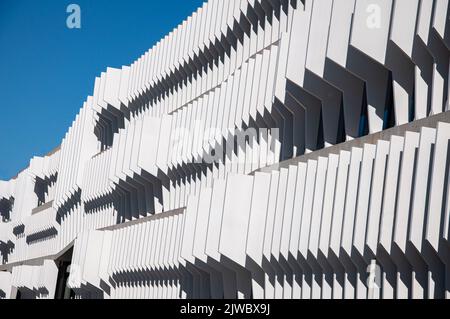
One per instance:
(262, 149)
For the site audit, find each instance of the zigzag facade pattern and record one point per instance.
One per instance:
(328, 124)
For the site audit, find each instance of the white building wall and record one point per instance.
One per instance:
(215, 165)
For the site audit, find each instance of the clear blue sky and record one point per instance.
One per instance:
(47, 70)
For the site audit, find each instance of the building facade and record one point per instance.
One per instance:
(262, 149)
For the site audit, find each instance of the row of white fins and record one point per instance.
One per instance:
(326, 29)
(292, 233)
(80, 143)
(34, 281)
(180, 46)
(319, 30)
(43, 227)
(153, 144)
(325, 41)
(431, 14)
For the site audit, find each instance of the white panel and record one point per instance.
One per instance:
(236, 213)
(257, 221)
(427, 139)
(390, 192)
(370, 27)
(440, 166)
(377, 195)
